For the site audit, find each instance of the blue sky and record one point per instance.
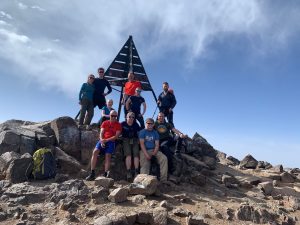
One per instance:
(234, 65)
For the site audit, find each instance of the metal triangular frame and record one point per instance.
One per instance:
(127, 60)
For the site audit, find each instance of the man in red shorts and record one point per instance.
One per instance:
(110, 131)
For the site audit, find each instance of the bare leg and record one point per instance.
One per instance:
(136, 162)
(128, 162)
(94, 158)
(107, 161)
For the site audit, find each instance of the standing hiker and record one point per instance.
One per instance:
(86, 101)
(110, 131)
(166, 102)
(129, 89)
(100, 84)
(133, 104)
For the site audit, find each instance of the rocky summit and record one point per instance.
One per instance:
(206, 186)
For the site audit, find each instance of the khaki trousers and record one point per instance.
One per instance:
(86, 111)
(162, 161)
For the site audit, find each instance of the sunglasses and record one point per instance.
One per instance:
(114, 116)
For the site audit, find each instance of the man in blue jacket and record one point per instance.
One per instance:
(166, 102)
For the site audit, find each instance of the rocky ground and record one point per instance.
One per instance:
(207, 187)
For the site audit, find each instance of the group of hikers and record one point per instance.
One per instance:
(142, 141)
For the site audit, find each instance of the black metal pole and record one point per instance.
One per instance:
(120, 103)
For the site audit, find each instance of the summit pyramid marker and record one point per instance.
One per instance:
(127, 60)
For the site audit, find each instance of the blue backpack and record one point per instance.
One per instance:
(44, 165)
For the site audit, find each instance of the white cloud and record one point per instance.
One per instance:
(68, 43)
(22, 6)
(5, 15)
(13, 38)
(38, 8)
(2, 22)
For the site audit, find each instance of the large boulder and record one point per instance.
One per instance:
(267, 187)
(233, 161)
(143, 184)
(19, 170)
(66, 164)
(27, 145)
(87, 144)
(118, 195)
(9, 141)
(160, 216)
(104, 182)
(207, 149)
(249, 162)
(286, 177)
(24, 137)
(44, 135)
(67, 135)
(13, 124)
(5, 159)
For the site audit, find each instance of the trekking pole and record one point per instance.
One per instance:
(77, 115)
(115, 89)
(154, 112)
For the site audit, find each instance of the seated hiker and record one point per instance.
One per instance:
(110, 131)
(86, 101)
(166, 139)
(129, 89)
(133, 104)
(149, 141)
(100, 84)
(130, 130)
(105, 111)
(166, 102)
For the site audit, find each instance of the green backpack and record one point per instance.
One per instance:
(44, 165)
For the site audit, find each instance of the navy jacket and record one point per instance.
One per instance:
(167, 100)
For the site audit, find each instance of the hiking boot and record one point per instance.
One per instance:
(107, 174)
(129, 175)
(90, 177)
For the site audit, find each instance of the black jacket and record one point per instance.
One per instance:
(167, 100)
